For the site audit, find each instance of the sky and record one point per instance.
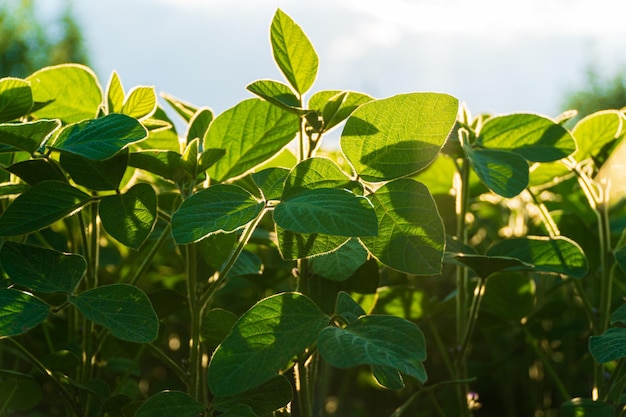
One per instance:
(496, 56)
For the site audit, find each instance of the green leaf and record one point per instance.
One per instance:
(216, 324)
(558, 255)
(34, 171)
(586, 407)
(29, 136)
(505, 173)
(93, 174)
(410, 237)
(248, 263)
(312, 174)
(115, 94)
(20, 312)
(100, 138)
(271, 182)
(184, 109)
(123, 309)
(239, 410)
(70, 92)
(330, 211)
(141, 102)
(336, 106)
(209, 157)
(400, 301)
(340, 264)
(533, 137)
(595, 131)
(199, 124)
(16, 99)
(509, 296)
(293, 52)
(130, 217)
(170, 404)
(387, 377)
(39, 207)
(251, 132)
(264, 399)
(189, 158)
(277, 93)
(301, 245)
(398, 136)
(609, 346)
(263, 341)
(166, 164)
(219, 208)
(376, 340)
(40, 269)
(619, 315)
(346, 307)
(485, 266)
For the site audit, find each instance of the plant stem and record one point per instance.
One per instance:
(182, 375)
(303, 386)
(479, 291)
(147, 259)
(195, 350)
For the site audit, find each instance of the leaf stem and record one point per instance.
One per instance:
(147, 259)
(182, 375)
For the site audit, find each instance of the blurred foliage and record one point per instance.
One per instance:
(599, 92)
(29, 42)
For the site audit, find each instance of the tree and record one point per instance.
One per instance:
(599, 93)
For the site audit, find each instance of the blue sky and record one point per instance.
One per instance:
(495, 55)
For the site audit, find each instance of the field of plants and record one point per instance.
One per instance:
(436, 263)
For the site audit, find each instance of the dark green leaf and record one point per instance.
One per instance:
(619, 315)
(263, 341)
(297, 245)
(484, 266)
(130, 217)
(34, 171)
(330, 211)
(16, 99)
(271, 182)
(387, 377)
(346, 307)
(251, 132)
(123, 309)
(216, 324)
(93, 174)
(340, 264)
(166, 164)
(609, 346)
(70, 92)
(40, 269)
(19, 394)
(398, 136)
(100, 138)
(239, 410)
(248, 263)
(220, 208)
(312, 174)
(505, 173)
(29, 136)
(20, 312)
(277, 93)
(267, 397)
(170, 404)
(43, 204)
(293, 52)
(410, 237)
(509, 296)
(535, 138)
(376, 340)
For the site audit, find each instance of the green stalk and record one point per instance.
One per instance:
(195, 350)
(303, 388)
(147, 259)
(479, 291)
(182, 375)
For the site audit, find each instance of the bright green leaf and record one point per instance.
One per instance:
(505, 173)
(336, 106)
(595, 131)
(43, 204)
(41, 269)
(312, 174)
(100, 138)
(199, 124)
(184, 109)
(170, 404)
(219, 208)
(209, 157)
(267, 397)
(609, 346)
(123, 309)
(115, 94)
(535, 138)
(130, 217)
(277, 93)
(20, 312)
(376, 340)
(340, 264)
(293, 52)
(70, 92)
(251, 132)
(302, 245)
(29, 136)
(16, 99)
(263, 341)
(140, 103)
(399, 301)
(271, 182)
(410, 237)
(93, 174)
(398, 136)
(329, 211)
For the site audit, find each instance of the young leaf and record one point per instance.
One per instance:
(329, 211)
(170, 404)
(558, 255)
(20, 312)
(336, 106)
(43, 204)
(302, 245)
(376, 340)
(535, 138)
(609, 346)
(70, 92)
(123, 309)
(101, 138)
(505, 173)
(398, 136)
(184, 110)
(410, 237)
(293, 52)
(593, 132)
(277, 93)
(264, 399)
(340, 264)
(312, 174)
(141, 103)
(219, 208)
(28, 136)
(41, 269)
(93, 174)
(16, 99)
(130, 217)
(115, 94)
(263, 341)
(250, 132)
(199, 124)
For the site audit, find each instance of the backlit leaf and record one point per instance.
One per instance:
(277, 93)
(340, 264)
(199, 124)
(115, 94)
(304, 245)
(20, 312)
(271, 182)
(314, 173)
(16, 98)
(593, 132)
(141, 102)
(29, 136)
(94, 174)
(505, 173)
(336, 106)
(166, 164)
(184, 109)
